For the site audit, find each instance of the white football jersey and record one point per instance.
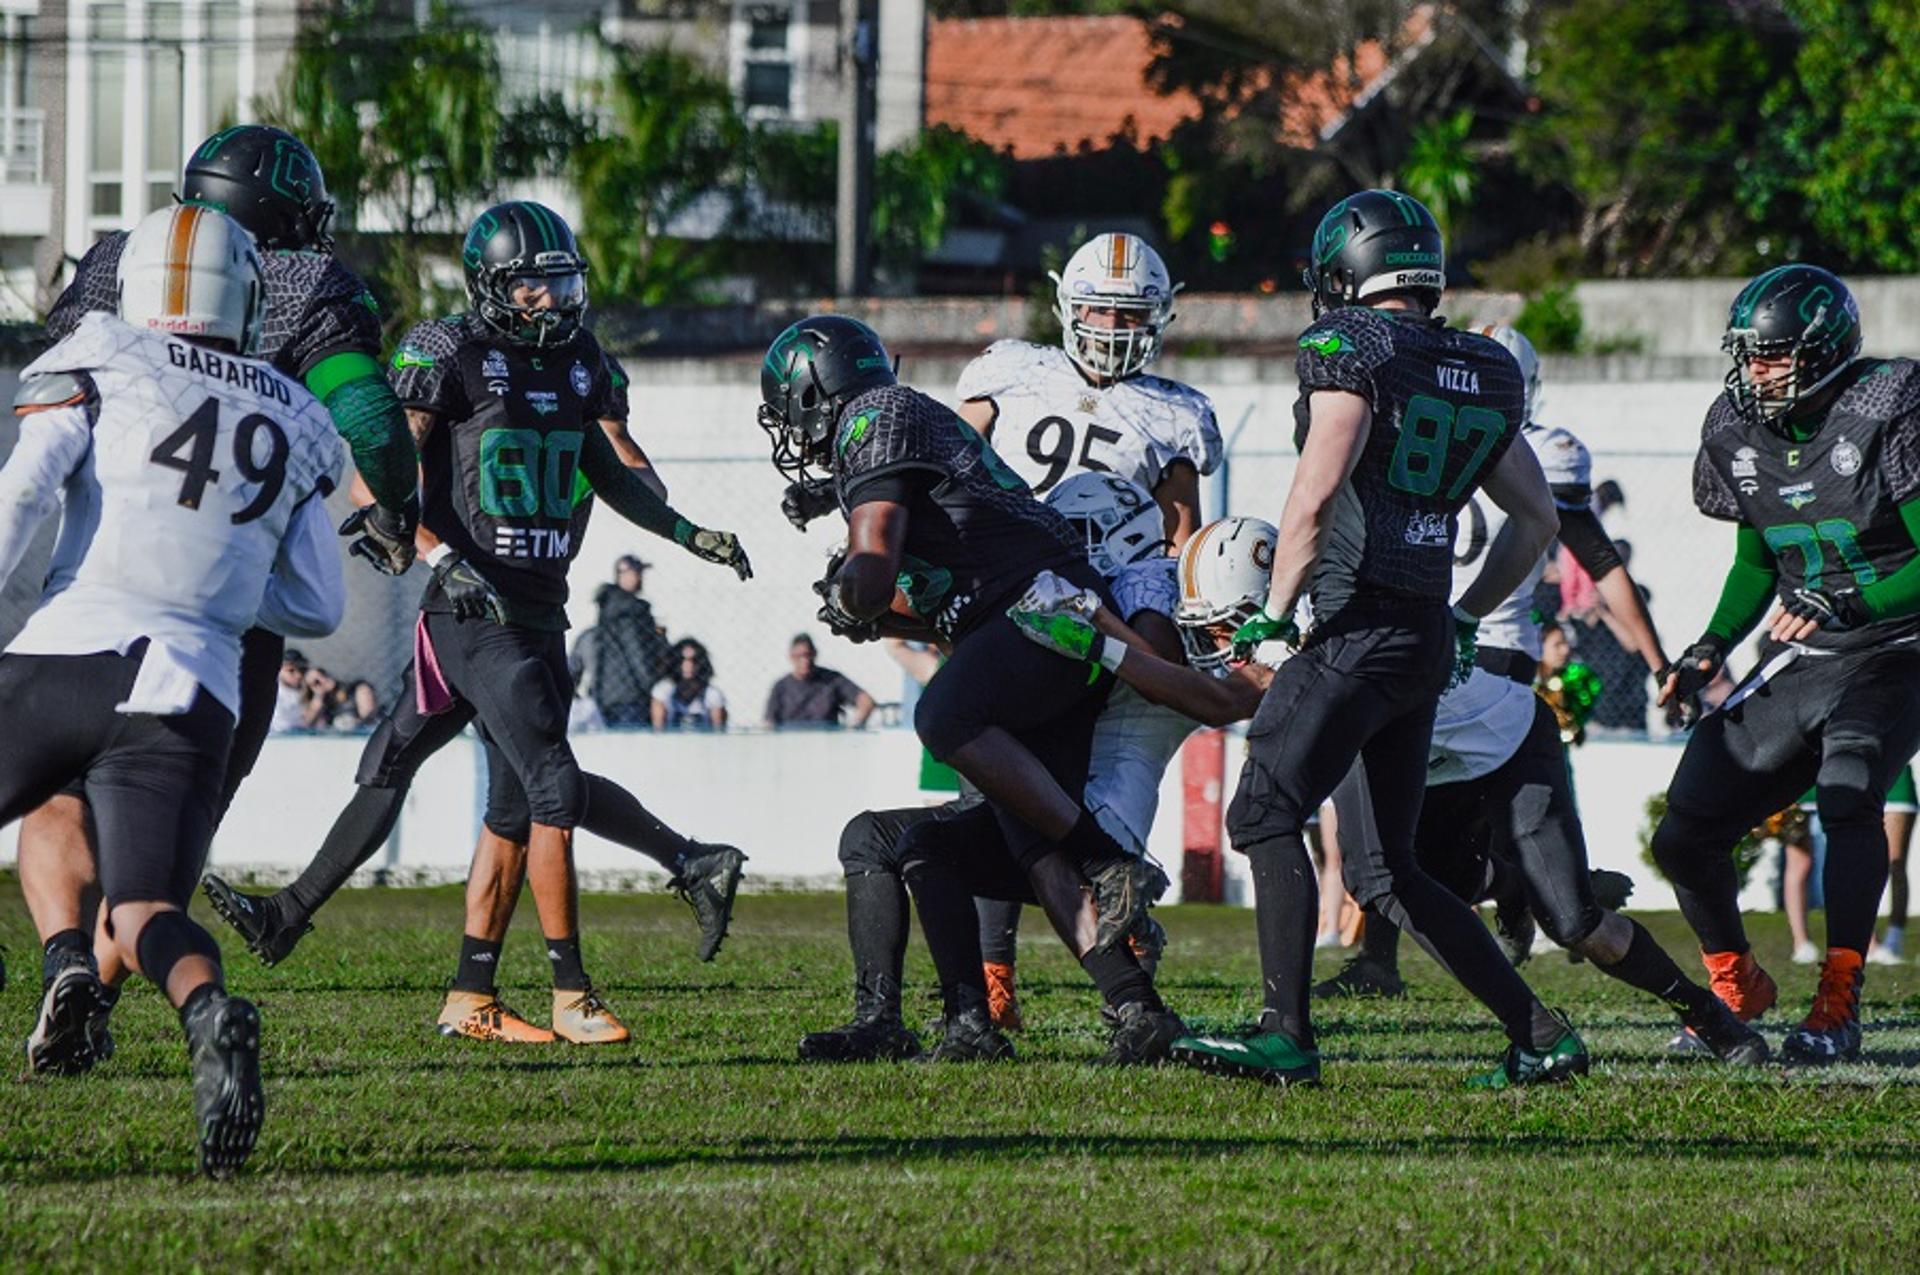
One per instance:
(1511, 626)
(1051, 423)
(1135, 740)
(1479, 726)
(192, 479)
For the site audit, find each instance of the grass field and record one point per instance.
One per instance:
(704, 1145)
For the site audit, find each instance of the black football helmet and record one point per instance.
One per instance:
(812, 370)
(1376, 242)
(267, 180)
(1796, 312)
(524, 247)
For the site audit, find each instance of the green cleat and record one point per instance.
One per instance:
(1271, 1056)
(1562, 1060)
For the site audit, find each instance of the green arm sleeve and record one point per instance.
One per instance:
(368, 415)
(626, 495)
(1899, 593)
(1748, 590)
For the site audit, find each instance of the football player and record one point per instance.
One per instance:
(1509, 647)
(1813, 453)
(1133, 741)
(321, 328)
(940, 530)
(1089, 405)
(193, 477)
(1399, 421)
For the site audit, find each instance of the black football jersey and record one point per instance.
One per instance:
(316, 306)
(501, 468)
(1829, 508)
(1446, 406)
(976, 534)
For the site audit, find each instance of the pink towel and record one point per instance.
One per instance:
(431, 694)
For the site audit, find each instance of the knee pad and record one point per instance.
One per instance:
(1678, 845)
(865, 847)
(564, 802)
(1569, 927)
(1848, 795)
(166, 939)
(508, 815)
(945, 723)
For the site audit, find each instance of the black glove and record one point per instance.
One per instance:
(1835, 610)
(472, 597)
(722, 547)
(839, 622)
(385, 535)
(1689, 677)
(808, 499)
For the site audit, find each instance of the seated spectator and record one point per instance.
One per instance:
(290, 708)
(359, 708)
(812, 697)
(689, 700)
(324, 698)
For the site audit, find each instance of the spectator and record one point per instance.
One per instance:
(1597, 636)
(324, 698)
(811, 697)
(359, 708)
(689, 700)
(626, 652)
(290, 707)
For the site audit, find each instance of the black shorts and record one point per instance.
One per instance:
(152, 783)
(515, 681)
(261, 652)
(1842, 724)
(1366, 685)
(969, 839)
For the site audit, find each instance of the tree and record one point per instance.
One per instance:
(1440, 171)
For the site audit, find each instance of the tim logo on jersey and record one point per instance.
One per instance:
(532, 542)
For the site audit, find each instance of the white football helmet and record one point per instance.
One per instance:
(1524, 354)
(1224, 572)
(1116, 272)
(192, 271)
(1116, 517)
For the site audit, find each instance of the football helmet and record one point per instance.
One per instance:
(521, 247)
(193, 272)
(1796, 312)
(1119, 273)
(1372, 243)
(812, 370)
(1516, 344)
(1224, 573)
(267, 180)
(1115, 517)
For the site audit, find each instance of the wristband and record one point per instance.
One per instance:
(1461, 616)
(438, 554)
(1111, 653)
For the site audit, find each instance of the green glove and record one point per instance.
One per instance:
(1261, 629)
(1466, 646)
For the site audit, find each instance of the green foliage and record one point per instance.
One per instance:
(1440, 171)
(917, 188)
(1843, 131)
(1552, 320)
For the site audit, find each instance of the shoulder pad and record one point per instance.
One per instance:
(51, 389)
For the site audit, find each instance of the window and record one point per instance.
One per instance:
(769, 86)
(106, 107)
(763, 36)
(166, 82)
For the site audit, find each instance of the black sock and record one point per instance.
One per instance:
(479, 965)
(1448, 930)
(1088, 843)
(999, 930)
(952, 930)
(1853, 879)
(617, 815)
(195, 998)
(1380, 941)
(1647, 966)
(1286, 893)
(568, 974)
(60, 952)
(1543, 1028)
(877, 933)
(169, 938)
(1120, 979)
(356, 836)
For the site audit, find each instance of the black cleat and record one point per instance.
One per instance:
(257, 919)
(1123, 888)
(1362, 977)
(1726, 1037)
(1141, 1036)
(223, 1041)
(862, 1040)
(969, 1036)
(708, 881)
(63, 1042)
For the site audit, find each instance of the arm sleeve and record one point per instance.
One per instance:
(52, 445)
(625, 494)
(1582, 533)
(616, 407)
(1748, 588)
(1899, 594)
(306, 595)
(367, 413)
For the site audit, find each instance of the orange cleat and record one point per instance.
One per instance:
(481, 1016)
(582, 1018)
(1003, 1003)
(1738, 980)
(1831, 1032)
